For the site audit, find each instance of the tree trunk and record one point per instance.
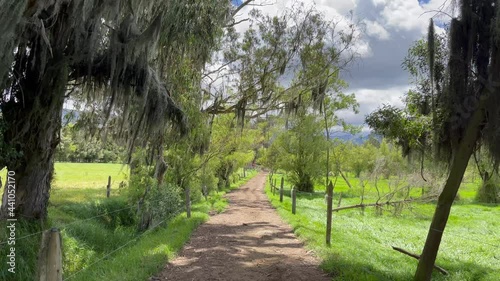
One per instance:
(34, 128)
(458, 165)
(33, 116)
(160, 170)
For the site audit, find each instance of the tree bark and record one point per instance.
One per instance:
(458, 165)
(34, 128)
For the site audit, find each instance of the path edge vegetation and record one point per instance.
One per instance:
(149, 255)
(138, 259)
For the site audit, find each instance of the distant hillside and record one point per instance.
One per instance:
(357, 138)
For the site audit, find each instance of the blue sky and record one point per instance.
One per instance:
(236, 2)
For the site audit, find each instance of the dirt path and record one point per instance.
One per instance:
(248, 242)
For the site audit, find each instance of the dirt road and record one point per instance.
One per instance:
(248, 242)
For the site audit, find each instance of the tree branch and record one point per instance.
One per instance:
(438, 268)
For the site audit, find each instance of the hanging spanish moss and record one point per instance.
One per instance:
(118, 56)
(491, 132)
(472, 56)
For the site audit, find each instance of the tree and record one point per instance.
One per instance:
(278, 59)
(300, 151)
(416, 127)
(362, 158)
(471, 107)
(116, 52)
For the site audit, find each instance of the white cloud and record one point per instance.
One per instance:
(404, 15)
(341, 7)
(370, 99)
(374, 29)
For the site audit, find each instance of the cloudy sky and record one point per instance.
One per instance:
(389, 29)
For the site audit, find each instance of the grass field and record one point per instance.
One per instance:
(100, 241)
(362, 240)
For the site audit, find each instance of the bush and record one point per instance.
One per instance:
(489, 192)
(163, 202)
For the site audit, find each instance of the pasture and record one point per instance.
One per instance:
(100, 238)
(362, 239)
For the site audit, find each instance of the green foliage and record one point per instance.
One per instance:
(362, 158)
(398, 125)
(141, 179)
(164, 201)
(273, 49)
(75, 146)
(161, 202)
(300, 151)
(93, 226)
(489, 191)
(414, 128)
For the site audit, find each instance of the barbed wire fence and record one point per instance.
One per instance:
(43, 234)
(57, 254)
(288, 192)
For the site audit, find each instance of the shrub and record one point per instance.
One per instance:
(489, 192)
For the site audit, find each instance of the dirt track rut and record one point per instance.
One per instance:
(248, 242)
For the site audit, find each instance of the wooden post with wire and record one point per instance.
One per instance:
(50, 256)
(108, 187)
(329, 207)
(281, 190)
(294, 200)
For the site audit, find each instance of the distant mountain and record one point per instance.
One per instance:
(357, 138)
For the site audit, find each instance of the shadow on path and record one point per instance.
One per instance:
(247, 242)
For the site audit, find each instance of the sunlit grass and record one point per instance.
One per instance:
(77, 204)
(361, 241)
(89, 175)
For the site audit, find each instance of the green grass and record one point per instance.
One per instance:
(79, 194)
(89, 175)
(361, 241)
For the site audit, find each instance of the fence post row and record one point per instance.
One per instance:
(50, 256)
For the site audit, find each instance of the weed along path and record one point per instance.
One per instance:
(248, 242)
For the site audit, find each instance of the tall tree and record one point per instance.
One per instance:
(117, 52)
(277, 59)
(472, 101)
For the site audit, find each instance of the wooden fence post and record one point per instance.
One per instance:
(329, 207)
(188, 201)
(108, 188)
(294, 200)
(281, 190)
(50, 256)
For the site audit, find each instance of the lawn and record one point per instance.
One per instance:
(362, 240)
(100, 241)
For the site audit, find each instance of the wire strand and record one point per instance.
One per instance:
(74, 222)
(115, 250)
